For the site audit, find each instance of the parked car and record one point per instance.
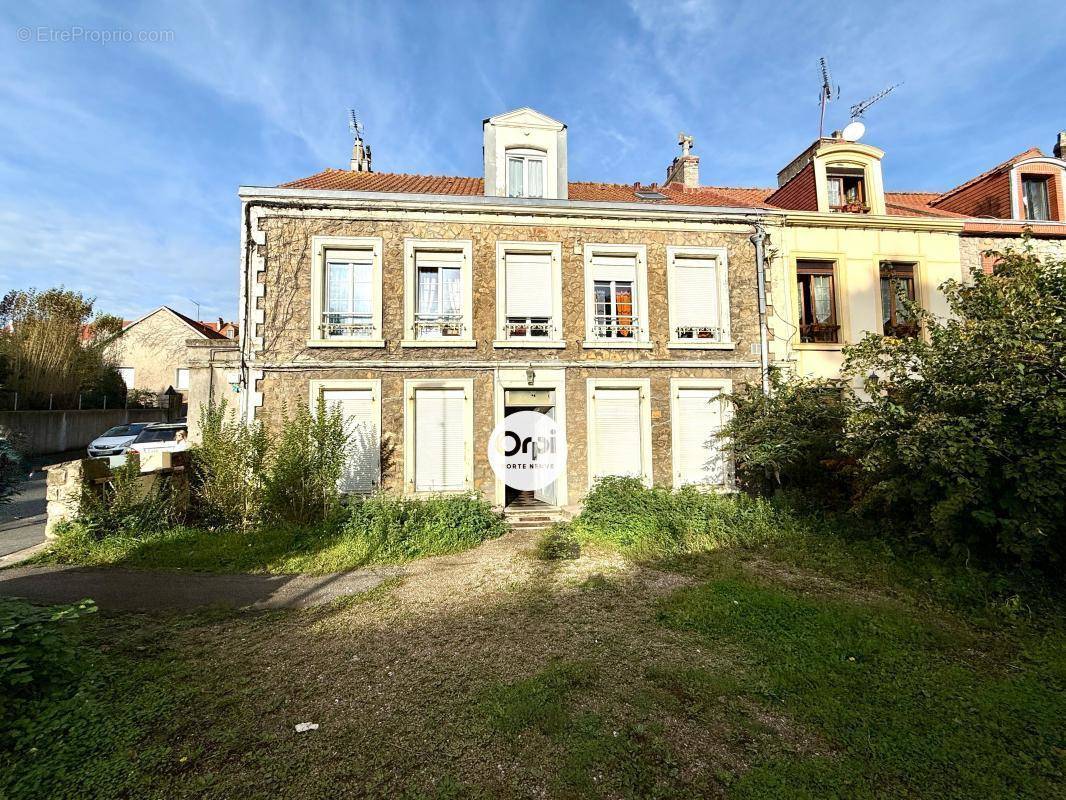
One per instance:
(161, 437)
(114, 441)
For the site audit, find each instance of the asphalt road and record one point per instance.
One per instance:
(22, 520)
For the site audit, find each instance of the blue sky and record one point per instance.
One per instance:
(120, 162)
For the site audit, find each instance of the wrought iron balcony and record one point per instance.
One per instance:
(704, 332)
(438, 326)
(819, 332)
(611, 328)
(342, 325)
(528, 328)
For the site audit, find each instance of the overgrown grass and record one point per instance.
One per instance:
(377, 530)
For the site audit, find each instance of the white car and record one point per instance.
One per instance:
(161, 437)
(114, 441)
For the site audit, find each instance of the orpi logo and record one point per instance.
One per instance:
(526, 450)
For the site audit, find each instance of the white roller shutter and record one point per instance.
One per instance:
(439, 258)
(695, 292)
(528, 283)
(362, 471)
(700, 457)
(440, 440)
(614, 268)
(616, 433)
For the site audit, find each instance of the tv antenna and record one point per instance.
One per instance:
(354, 125)
(826, 95)
(197, 304)
(860, 108)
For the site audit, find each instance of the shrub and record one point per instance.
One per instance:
(558, 543)
(652, 522)
(228, 469)
(395, 529)
(792, 438)
(129, 503)
(303, 471)
(35, 654)
(963, 442)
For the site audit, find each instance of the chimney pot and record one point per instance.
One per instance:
(685, 168)
(360, 156)
(1060, 146)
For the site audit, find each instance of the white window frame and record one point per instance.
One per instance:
(527, 155)
(177, 379)
(644, 385)
(642, 340)
(412, 385)
(411, 247)
(317, 387)
(723, 385)
(364, 245)
(553, 249)
(725, 338)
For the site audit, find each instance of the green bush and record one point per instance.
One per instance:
(35, 654)
(228, 469)
(653, 522)
(305, 464)
(558, 543)
(792, 439)
(963, 442)
(129, 503)
(396, 529)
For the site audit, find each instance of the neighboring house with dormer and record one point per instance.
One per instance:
(150, 352)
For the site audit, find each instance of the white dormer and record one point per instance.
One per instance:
(525, 155)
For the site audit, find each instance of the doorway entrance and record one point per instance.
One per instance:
(533, 399)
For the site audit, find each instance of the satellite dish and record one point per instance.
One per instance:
(853, 131)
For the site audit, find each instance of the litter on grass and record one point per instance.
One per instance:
(306, 726)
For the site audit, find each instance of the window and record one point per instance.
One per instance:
(438, 429)
(616, 295)
(847, 190)
(897, 285)
(357, 401)
(181, 378)
(698, 412)
(346, 302)
(528, 296)
(525, 173)
(437, 302)
(817, 302)
(619, 429)
(1035, 197)
(699, 296)
(349, 278)
(127, 373)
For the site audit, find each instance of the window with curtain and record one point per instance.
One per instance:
(817, 301)
(897, 287)
(1035, 197)
(847, 190)
(439, 300)
(349, 279)
(525, 173)
(614, 316)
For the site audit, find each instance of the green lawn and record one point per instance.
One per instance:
(807, 668)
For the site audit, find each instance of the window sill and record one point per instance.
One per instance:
(349, 343)
(434, 492)
(557, 344)
(439, 343)
(607, 344)
(696, 344)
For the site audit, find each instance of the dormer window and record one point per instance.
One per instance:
(847, 190)
(1035, 197)
(525, 173)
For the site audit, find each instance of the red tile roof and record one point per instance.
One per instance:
(899, 203)
(1030, 153)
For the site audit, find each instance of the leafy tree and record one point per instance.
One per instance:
(791, 438)
(963, 439)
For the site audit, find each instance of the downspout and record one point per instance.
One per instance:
(757, 239)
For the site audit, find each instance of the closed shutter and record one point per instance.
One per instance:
(434, 258)
(440, 440)
(616, 431)
(700, 457)
(614, 268)
(528, 284)
(695, 293)
(362, 470)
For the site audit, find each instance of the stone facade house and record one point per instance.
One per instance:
(429, 308)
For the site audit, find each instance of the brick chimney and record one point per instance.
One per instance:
(360, 156)
(1060, 146)
(685, 169)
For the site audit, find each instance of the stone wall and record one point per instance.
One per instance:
(971, 248)
(214, 377)
(45, 432)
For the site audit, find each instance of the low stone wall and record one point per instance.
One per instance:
(67, 481)
(44, 432)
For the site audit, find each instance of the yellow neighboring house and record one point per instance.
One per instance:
(150, 352)
(848, 251)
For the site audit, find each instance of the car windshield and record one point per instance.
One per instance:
(158, 434)
(120, 430)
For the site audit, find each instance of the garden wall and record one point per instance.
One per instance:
(44, 432)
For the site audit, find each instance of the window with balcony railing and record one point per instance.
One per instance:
(614, 314)
(349, 283)
(439, 302)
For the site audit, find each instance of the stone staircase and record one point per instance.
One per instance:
(532, 518)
